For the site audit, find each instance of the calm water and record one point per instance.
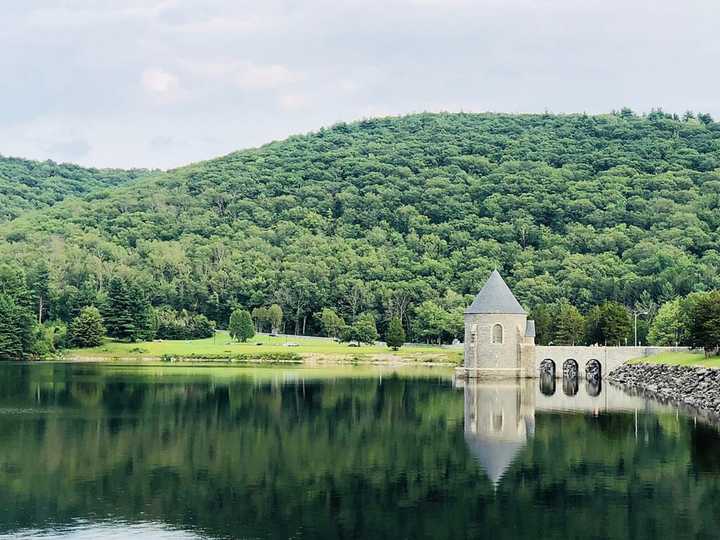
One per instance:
(117, 452)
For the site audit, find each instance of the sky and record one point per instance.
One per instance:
(162, 83)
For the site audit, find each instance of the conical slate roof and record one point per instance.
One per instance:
(496, 297)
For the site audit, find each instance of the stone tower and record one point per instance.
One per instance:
(498, 336)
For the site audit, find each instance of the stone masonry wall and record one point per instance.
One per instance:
(609, 357)
(486, 353)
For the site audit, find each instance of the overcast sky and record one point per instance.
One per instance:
(161, 83)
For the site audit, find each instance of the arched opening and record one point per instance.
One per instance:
(497, 333)
(547, 368)
(570, 369)
(547, 377)
(593, 370)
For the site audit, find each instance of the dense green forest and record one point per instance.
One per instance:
(28, 185)
(398, 217)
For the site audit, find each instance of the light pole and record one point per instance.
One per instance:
(636, 313)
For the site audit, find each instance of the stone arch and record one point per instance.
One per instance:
(570, 368)
(593, 370)
(497, 333)
(547, 368)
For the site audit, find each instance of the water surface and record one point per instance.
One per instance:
(97, 451)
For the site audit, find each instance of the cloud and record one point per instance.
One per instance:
(113, 74)
(263, 77)
(161, 84)
(293, 102)
(71, 149)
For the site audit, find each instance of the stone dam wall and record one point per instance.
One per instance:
(694, 387)
(610, 358)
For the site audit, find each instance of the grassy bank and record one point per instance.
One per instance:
(266, 348)
(680, 359)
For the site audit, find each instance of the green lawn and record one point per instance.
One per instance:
(680, 359)
(308, 348)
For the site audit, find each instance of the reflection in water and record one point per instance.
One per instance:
(548, 384)
(498, 420)
(570, 385)
(593, 386)
(107, 452)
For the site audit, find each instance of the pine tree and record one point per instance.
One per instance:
(395, 337)
(119, 318)
(241, 325)
(11, 345)
(87, 328)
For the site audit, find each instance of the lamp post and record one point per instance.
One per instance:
(637, 312)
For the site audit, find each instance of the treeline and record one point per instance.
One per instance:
(400, 218)
(123, 312)
(693, 320)
(30, 185)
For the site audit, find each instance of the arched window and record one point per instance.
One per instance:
(497, 333)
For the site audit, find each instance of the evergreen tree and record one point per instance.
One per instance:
(569, 325)
(87, 328)
(241, 325)
(11, 346)
(119, 318)
(141, 312)
(395, 337)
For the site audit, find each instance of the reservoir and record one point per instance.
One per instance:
(116, 451)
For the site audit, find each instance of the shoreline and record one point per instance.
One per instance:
(235, 362)
(692, 388)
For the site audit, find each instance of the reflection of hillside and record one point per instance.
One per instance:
(343, 458)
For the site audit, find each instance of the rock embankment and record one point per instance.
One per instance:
(695, 387)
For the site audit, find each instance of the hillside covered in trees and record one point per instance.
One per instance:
(29, 185)
(399, 217)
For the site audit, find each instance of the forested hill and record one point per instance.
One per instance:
(29, 185)
(381, 215)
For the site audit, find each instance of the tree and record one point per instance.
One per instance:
(430, 321)
(332, 324)
(363, 330)
(668, 326)
(275, 316)
(569, 325)
(39, 282)
(395, 337)
(241, 325)
(615, 324)
(260, 316)
(118, 316)
(705, 322)
(543, 324)
(87, 329)
(11, 346)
